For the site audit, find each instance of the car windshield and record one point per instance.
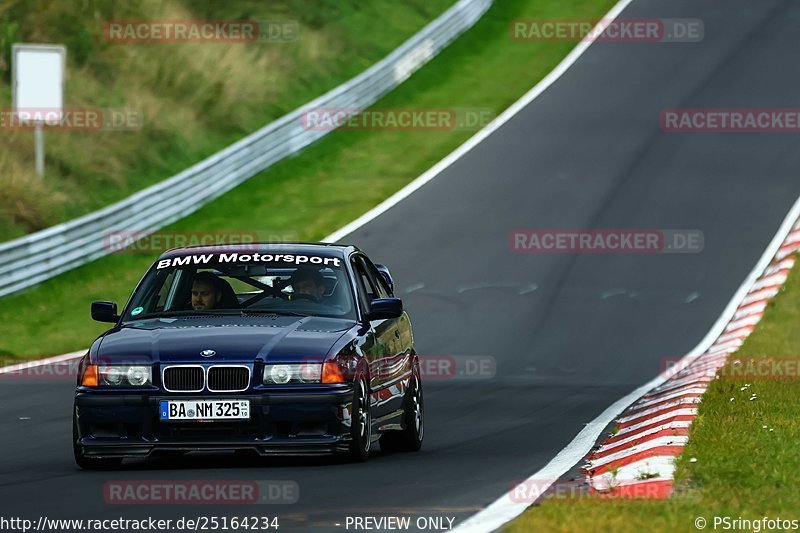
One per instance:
(244, 284)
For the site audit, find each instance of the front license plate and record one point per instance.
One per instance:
(204, 410)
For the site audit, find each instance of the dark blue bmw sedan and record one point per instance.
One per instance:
(293, 349)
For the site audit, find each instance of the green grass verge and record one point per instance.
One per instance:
(324, 187)
(194, 98)
(742, 469)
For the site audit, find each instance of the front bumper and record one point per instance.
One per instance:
(284, 423)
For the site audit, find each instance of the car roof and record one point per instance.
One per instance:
(337, 250)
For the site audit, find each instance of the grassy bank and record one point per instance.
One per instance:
(745, 450)
(324, 187)
(193, 98)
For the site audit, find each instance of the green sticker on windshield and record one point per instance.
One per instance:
(137, 311)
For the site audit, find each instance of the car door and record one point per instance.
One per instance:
(404, 336)
(389, 371)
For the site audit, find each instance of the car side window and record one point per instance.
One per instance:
(378, 282)
(365, 288)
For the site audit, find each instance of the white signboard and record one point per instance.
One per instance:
(37, 83)
(38, 76)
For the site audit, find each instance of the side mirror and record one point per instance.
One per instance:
(383, 308)
(104, 311)
(387, 277)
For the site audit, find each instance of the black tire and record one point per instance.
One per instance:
(90, 463)
(360, 421)
(409, 439)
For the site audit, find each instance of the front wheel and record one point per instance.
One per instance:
(360, 422)
(409, 439)
(90, 463)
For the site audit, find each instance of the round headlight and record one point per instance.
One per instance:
(280, 374)
(112, 375)
(137, 376)
(310, 372)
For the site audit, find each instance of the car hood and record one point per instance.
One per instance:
(233, 339)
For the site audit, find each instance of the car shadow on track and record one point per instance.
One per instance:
(228, 461)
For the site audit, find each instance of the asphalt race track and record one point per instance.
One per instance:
(570, 333)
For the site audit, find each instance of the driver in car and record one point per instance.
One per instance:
(308, 283)
(206, 291)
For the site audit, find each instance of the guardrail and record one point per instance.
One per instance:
(29, 260)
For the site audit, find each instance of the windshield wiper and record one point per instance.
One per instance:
(170, 314)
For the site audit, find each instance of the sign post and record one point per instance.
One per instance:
(38, 139)
(37, 84)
